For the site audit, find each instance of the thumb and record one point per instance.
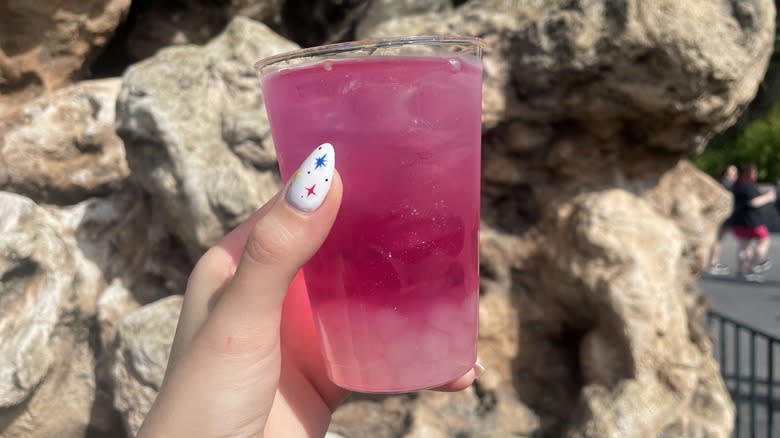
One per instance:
(230, 372)
(279, 243)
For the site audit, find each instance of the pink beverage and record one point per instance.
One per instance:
(394, 288)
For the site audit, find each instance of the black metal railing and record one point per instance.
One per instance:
(747, 361)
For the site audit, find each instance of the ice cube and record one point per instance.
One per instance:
(335, 329)
(433, 345)
(401, 351)
(366, 343)
(444, 316)
(389, 323)
(470, 308)
(379, 376)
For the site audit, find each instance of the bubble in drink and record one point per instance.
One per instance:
(454, 64)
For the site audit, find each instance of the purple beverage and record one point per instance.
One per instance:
(394, 288)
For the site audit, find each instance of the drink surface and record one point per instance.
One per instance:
(394, 288)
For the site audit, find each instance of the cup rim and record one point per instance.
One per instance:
(375, 43)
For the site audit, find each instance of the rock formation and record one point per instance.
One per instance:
(594, 224)
(197, 139)
(47, 381)
(62, 147)
(46, 44)
(144, 342)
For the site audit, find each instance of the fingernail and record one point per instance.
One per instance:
(310, 183)
(479, 369)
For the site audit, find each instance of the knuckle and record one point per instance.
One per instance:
(213, 268)
(211, 259)
(268, 242)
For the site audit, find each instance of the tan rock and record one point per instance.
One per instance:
(380, 11)
(196, 132)
(662, 74)
(266, 11)
(162, 24)
(315, 22)
(46, 44)
(697, 203)
(144, 343)
(47, 383)
(592, 230)
(123, 242)
(115, 303)
(375, 416)
(709, 399)
(589, 315)
(62, 147)
(122, 245)
(610, 311)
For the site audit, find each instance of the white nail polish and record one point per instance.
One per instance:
(310, 183)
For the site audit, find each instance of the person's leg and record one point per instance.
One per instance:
(762, 249)
(715, 267)
(745, 256)
(715, 253)
(761, 262)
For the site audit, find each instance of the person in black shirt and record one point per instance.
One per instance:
(747, 223)
(726, 177)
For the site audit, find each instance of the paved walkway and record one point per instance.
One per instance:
(757, 306)
(754, 304)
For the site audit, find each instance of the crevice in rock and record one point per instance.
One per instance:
(10, 413)
(105, 419)
(17, 280)
(547, 372)
(486, 399)
(406, 426)
(487, 272)
(28, 80)
(322, 23)
(743, 14)
(127, 359)
(115, 57)
(512, 213)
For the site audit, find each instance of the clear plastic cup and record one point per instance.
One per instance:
(394, 288)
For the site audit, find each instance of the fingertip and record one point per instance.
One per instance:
(458, 384)
(465, 380)
(309, 185)
(479, 369)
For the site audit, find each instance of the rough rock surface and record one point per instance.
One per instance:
(379, 11)
(265, 11)
(160, 24)
(47, 383)
(144, 342)
(314, 22)
(196, 134)
(62, 147)
(691, 199)
(660, 74)
(589, 107)
(46, 44)
(120, 243)
(593, 226)
(122, 239)
(618, 312)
